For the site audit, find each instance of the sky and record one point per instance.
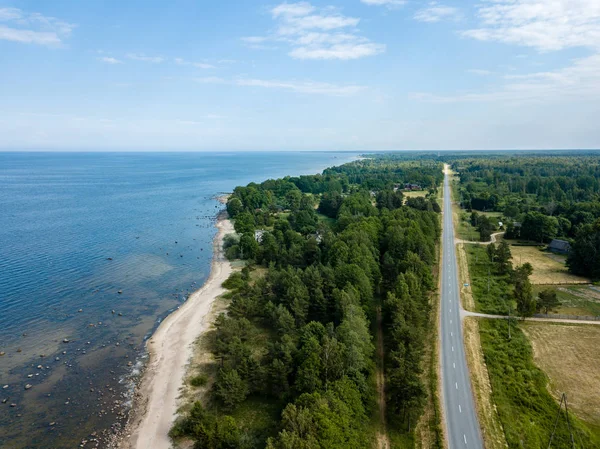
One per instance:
(200, 75)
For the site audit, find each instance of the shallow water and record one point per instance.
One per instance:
(96, 248)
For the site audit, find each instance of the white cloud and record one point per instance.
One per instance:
(436, 12)
(293, 9)
(541, 24)
(302, 87)
(479, 72)
(316, 33)
(200, 65)
(388, 3)
(142, 57)
(306, 87)
(580, 80)
(110, 60)
(210, 80)
(33, 28)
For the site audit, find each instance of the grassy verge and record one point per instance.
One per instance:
(491, 428)
(526, 409)
(491, 291)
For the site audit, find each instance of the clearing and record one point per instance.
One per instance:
(569, 355)
(548, 268)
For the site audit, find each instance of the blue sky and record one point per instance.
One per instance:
(318, 75)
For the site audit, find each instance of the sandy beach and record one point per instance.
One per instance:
(170, 349)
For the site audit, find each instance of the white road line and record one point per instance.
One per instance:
(465, 437)
(454, 365)
(452, 334)
(452, 348)
(459, 408)
(456, 383)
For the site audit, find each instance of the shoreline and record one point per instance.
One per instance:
(170, 349)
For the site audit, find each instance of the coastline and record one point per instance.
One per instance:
(170, 348)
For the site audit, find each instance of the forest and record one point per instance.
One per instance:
(296, 346)
(540, 198)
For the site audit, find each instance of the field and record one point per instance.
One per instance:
(414, 193)
(576, 299)
(569, 355)
(547, 267)
(527, 410)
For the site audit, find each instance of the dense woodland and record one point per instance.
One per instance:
(541, 197)
(296, 346)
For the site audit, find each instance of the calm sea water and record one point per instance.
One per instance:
(96, 248)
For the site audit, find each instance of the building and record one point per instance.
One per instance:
(559, 246)
(410, 186)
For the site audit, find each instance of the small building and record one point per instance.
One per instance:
(410, 186)
(559, 246)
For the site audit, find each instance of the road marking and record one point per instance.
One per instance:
(459, 408)
(456, 383)
(452, 334)
(450, 321)
(454, 365)
(452, 348)
(465, 437)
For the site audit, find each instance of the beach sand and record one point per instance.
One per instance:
(170, 350)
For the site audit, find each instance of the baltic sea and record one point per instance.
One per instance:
(95, 249)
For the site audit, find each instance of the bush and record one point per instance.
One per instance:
(199, 381)
(234, 281)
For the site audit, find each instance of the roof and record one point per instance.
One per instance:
(560, 245)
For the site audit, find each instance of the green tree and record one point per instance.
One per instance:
(523, 292)
(503, 256)
(234, 207)
(547, 301)
(231, 388)
(244, 223)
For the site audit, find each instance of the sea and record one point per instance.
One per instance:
(95, 250)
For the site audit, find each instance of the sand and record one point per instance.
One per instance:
(170, 350)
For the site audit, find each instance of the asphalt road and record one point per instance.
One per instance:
(462, 425)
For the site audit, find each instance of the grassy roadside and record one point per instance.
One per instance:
(491, 291)
(491, 427)
(526, 409)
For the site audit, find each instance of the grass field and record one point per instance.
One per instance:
(569, 355)
(525, 407)
(489, 297)
(547, 267)
(414, 193)
(576, 300)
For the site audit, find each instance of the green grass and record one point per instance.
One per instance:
(576, 300)
(525, 407)
(495, 300)
(258, 418)
(325, 219)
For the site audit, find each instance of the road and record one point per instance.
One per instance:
(462, 425)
